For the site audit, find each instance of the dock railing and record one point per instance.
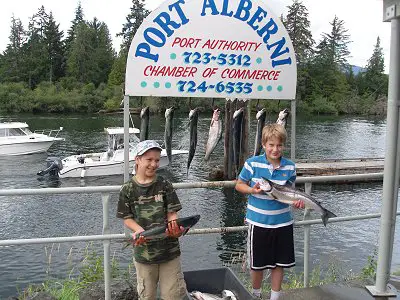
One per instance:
(107, 236)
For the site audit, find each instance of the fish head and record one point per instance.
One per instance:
(266, 185)
(193, 113)
(169, 111)
(216, 114)
(260, 113)
(238, 112)
(227, 294)
(283, 114)
(189, 221)
(144, 111)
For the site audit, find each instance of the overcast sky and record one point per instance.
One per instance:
(363, 19)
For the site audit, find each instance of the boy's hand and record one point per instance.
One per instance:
(256, 189)
(137, 239)
(299, 204)
(173, 230)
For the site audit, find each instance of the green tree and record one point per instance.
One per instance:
(91, 55)
(36, 54)
(328, 69)
(117, 74)
(12, 66)
(337, 44)
(298, 28)
(71, 33)
(55, 49)
(133, 21)
(104, 54)
(376, 82)
(79, 60)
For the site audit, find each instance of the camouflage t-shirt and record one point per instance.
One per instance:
(148, 205)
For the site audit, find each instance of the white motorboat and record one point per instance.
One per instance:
(110, 162)
(17, 139)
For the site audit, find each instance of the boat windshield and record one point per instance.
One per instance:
(26, 130)
(116, 141)
(16, 132)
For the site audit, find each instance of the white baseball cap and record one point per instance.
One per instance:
(146, 145)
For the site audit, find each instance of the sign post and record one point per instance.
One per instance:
(391, 173)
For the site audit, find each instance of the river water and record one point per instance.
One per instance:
(346, 245)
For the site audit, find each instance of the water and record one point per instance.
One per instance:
(347, 244)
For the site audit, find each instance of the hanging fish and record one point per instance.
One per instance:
(144, 123)
(282, 117)
(193, 118)
(214, 134)
(261, 114)
(237, 136)
(169, 115)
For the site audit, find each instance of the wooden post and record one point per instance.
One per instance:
(227, 141)
(232, 173)
(244, 145)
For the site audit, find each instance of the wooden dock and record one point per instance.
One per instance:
(313, 167)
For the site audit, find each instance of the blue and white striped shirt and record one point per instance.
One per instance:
(262, 210)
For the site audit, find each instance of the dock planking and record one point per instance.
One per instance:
(316, 167)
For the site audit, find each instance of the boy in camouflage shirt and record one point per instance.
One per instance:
(146, 201)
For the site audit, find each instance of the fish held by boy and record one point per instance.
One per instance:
(193, 118)
(160, 230)
(169, 115)
(287, 194)
(144, 123)
(214, 134)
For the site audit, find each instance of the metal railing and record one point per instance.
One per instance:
(49, 132)
(107, 236)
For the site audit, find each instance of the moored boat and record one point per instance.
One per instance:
(109, 162)
(17, 139)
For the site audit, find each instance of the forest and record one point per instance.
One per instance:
(46, 70)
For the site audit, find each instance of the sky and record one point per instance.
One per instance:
(363, 19)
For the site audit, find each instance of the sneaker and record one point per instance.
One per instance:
(257, 297)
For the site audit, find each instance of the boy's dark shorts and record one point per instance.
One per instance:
(268, 248)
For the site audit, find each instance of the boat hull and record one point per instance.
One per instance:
(22, 148)
(73, 169)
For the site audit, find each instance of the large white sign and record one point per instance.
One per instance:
(212, 48)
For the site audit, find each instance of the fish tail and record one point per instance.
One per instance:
(326, 215)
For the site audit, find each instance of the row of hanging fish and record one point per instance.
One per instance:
(214, 134)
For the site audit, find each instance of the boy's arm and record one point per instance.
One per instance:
(243, 187)
(133, 225)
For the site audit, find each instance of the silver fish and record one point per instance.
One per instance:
(214, 134)
(206, 296)
(228, 295)
(282, 117)
(193, 118)
(287, 194)
(158, 232)
(237, 136)
(169, 115)
(144, 123)
(261, 114)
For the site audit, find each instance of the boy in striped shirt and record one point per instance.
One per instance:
(270, 234)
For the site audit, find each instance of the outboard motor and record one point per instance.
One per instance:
(54, 165)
